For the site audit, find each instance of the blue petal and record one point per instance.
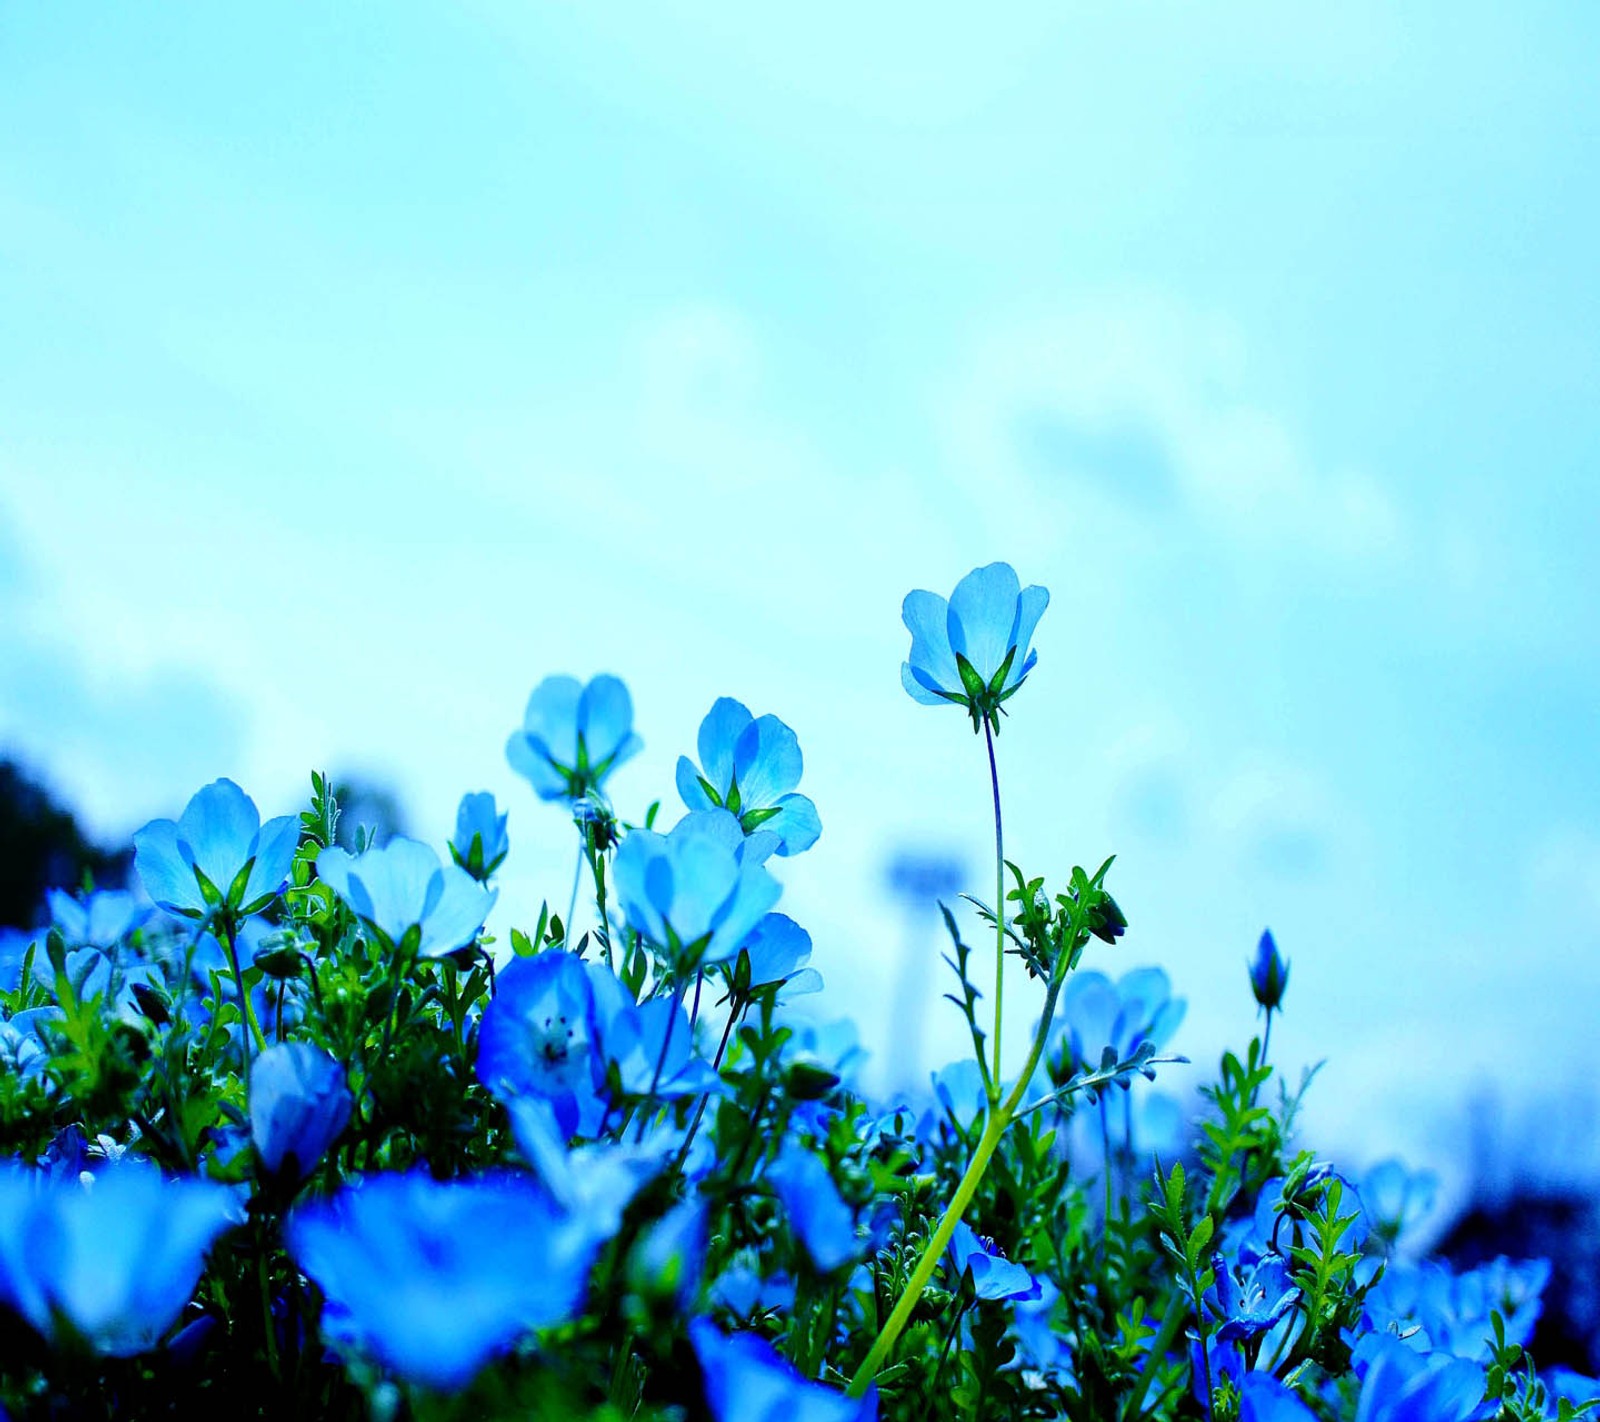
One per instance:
(455, 919)
(719, 735)
(704, 873)
(766, 763)
(777, 948)
(529, 760)
(275, 849)
(164, 871)
(690, 789)
(927, 617)
(983, 617)
(919, 692)
(755, 893)
(552, 717)
(400, 883)
(797, 824)
(219, 825)
(605, 718)
(638, 882)
(1030, 608)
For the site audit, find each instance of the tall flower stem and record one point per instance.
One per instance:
(999, 913)
(577, 878)
(227, 931)
(1001, 1114)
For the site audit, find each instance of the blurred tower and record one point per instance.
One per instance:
(919, 879)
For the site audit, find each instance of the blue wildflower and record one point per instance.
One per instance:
(823, 1223)
(573, 736)
(1262, 1398)
(778, 950)
(100, 920)
(749, 766)
(648, 1050)
(1396, 1198)
(25, 1043)
(1269, 973)
(985, 1271)
(669, 1260)
(435, 1279)
(1251, 1299)
(697, 892)
(114, 1258)
(299, 1104)
(402, 890)
(537, 1039)
(1096, 1013)
(594, 1182)
(746, 1381)
(1453, 1311)
(216, 853)
(974, 649)
(480, 844)
(1401, 1384)
(745, 1292)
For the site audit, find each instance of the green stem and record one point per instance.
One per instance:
(999, 913)
(996, 1124)
(225, 931)
(577, 877)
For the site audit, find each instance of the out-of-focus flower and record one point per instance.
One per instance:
(573, 736)
(216, 853)
(299, 1104)
(1438, 1309)
(669, 1260)
(100, 920)
(749, 766)
(992, 1276)
(746, 1381)
(1096, 1013)
(402, 887)
(593, 1182)
(114, 1257)
(1401, 1384)
(480, 844)
(824, 1224)
(1269, 973)
(974, 649)
(435, 1279)
(697, 892)
(24, 1046)
(1262, 1398)
(1395, 1198)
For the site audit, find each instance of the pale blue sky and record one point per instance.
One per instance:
(357, 369)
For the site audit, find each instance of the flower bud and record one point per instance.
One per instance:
(1269, 973)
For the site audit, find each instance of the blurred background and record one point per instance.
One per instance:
(358, 368)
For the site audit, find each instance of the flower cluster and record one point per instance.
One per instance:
(294, 1130)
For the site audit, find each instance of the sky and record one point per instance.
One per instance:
(360, 367)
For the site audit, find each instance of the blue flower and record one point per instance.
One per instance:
(1262, 1398)
(697, 892)
(100, 920)
(573, 736)
(1269, 973)
(481, 843)
(433, 1280)
(824, 1224)
(299, 1104)
(537, 1038)
(746, 1381)
(24, 1045)
(594, 1182)
(669, 1260)
(1401, 1384)
(992, 1276)
(1096, 1013)
(750, 766)
(1249, 1300)
(648, 1049)
(402, 888)
(1395, 1198)
(217, 852)
(114, 1258)
(778, 949)
(974, 649)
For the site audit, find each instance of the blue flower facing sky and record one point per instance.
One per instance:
(974, 648)
(699, 890)
(750, 766)
(402, 887)
(573, 736)
(480, 843)
(217, 852)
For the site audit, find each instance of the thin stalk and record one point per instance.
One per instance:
(999, 912)
(661, 1058)
(1105, 1147)
(735, 1012)
(996, 1124)
(1266, 1038)
(577, 877)
(225, 931)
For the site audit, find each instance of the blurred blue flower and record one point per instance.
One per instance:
(648, 1049)
(114, 1258)
(750, 766)
(403, 887)
(1262, 1398)
(573, 736)
(435, 1279)
(480, 844)
(24, 1045)
(100, 920)
(669, 1259)
(1269, 973)
(537, 1039)
(1438, 1309)
(1396, 1198)
(745, 1292)
(1096, 1013)
(746, 1381)
(1401, 1384)
(976, 1263)
(974, 649)
(823, 1223)
(697, 892)
(299, 1104)
(594, 1182)
(216, 852)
